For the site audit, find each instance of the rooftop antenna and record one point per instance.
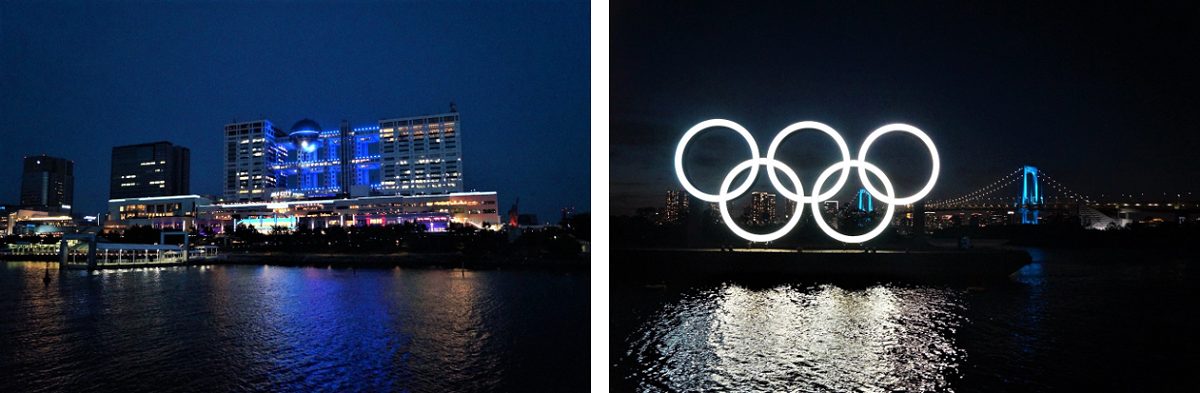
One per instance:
(453, 108)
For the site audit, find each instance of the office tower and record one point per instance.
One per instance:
(251, 154)
(676, 208)
(47, 184)
(422, 155)
(149, 170)
(762, 209)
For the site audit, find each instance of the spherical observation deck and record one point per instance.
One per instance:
(305, 135)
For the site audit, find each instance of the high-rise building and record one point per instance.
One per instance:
(402, 156)
(5, 211)
(789, 209)
(250, 157)
(676, 208)
(422, 155)
(48, 184)
(324, 163)
(150, 170)
(762, 209)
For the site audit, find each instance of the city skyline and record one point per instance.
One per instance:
(1105, 111)
(77, 91)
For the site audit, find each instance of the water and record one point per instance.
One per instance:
(1073, 320)
(259, 328)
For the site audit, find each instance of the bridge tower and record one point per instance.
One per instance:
(1030, 201)
(863, 194)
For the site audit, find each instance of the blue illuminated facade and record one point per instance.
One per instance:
(314, 167)
(401, 156)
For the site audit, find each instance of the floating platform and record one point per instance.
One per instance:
(657, 264)
(203, 260)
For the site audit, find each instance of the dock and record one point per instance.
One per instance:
(84, 251)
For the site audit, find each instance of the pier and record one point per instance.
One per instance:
(84, 251)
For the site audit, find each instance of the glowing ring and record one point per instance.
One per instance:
(683, 145)
(862, 157)
(752, 163)
(837, 138)
(887, 215)
(755, 161)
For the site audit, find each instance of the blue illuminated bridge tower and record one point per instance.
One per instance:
(1031, 195)
(864, 196)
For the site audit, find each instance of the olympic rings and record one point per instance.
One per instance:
(837, 138)
(687, 136)
(863, 166)
(862, 170)
(754, 163)
(725, 195)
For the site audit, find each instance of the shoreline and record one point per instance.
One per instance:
(404, 260)
(415, 260)
(658, 265)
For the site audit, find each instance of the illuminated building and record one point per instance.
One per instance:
(149, 170)
(177, 212)
(419, 155)
(313, 164)
(5, 211)
(36, 222)
(250, 153)
(47, 184)
(676, 207)
(761, 210)
(435, 212)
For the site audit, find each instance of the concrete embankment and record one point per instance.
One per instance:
(650, 265)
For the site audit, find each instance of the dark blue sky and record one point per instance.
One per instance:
(1104, 96)
(77, 79)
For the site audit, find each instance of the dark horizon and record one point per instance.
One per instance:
(82, 78)
(1101, 97)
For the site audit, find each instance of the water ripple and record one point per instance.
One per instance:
(800, 338)
(246, 328)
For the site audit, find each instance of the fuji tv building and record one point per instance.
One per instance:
(395, 171)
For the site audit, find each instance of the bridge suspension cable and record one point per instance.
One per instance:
(1058, 186)
(982, 192)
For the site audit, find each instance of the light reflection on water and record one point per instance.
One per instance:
(1073, 320)
(798, 338)
(260, 328)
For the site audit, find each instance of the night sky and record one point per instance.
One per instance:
(1103, 98)
(78, 79)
